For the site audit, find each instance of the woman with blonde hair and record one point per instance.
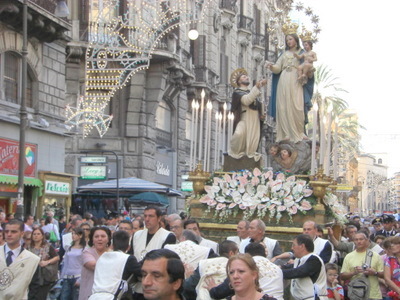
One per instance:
(243, 277)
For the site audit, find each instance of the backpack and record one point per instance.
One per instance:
(358, 288)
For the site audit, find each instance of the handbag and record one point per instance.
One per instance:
(53, 237)
(49, 273)
(359, 287)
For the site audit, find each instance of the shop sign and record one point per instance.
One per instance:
(187, 186)
(57, 188)
(93, 172)
(94, 159)
(162, 169)
(9, 158)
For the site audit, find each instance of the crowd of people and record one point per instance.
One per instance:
(156, 256)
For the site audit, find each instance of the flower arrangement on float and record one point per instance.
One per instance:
(261, 194)
(335, 208)
(257, 193)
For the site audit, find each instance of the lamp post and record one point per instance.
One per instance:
(360, 182)
(23, 114)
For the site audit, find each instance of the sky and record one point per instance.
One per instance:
(360, 44)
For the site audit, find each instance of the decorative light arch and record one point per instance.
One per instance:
(120, 46)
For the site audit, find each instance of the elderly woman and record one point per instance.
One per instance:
(48, 256)
(243, 276)
(99, 242)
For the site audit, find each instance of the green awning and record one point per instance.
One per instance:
(10, 179)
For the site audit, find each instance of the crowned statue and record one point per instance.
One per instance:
(291, 93)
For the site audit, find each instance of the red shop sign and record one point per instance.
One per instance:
(9, 155)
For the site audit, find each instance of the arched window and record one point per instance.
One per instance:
(163, 117)
(380, 161)
(11, 79)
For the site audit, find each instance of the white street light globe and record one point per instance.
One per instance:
(193, 34)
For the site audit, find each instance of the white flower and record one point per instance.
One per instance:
(220, 199)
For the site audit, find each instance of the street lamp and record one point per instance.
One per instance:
(361, 180)
(23, 113)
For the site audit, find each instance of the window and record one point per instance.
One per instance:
(163, 116)
(11, 78)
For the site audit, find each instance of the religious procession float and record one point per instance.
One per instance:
(244, 189)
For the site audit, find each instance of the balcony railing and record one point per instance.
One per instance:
(245, 22)
(49, 5)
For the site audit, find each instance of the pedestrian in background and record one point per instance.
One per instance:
(48, 256)
(72, 266)
(99, 242)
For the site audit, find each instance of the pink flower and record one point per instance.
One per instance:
(242, 180)
(293, 210)
(280, 176)
(232, 205)
(307, 192)
(255, 181)
(257, 172)
(291, 178)
(220, 206)
(268, 175)
(227, 178)
(211, 202)
(205, 199)
(306, 205)
(281, 207)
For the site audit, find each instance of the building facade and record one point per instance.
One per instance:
(151, 128)
(47, 37)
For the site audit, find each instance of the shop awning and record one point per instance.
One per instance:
(128, 185)
(10, 179)
(149, 197)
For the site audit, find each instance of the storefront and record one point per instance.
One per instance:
(9, 157)
(57, 193)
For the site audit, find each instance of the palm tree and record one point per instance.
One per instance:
(327, 92)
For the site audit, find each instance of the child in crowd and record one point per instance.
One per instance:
(335, 290)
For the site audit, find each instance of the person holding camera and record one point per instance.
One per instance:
(356, 264)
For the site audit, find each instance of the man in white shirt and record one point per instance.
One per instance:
(308, 271)
(193, 225)
(322, 247)
(18, 267)
(151, 238)
(257, 234)
(242, 230)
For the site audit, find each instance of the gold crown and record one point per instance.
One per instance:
(306, 35)
(289, 28)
